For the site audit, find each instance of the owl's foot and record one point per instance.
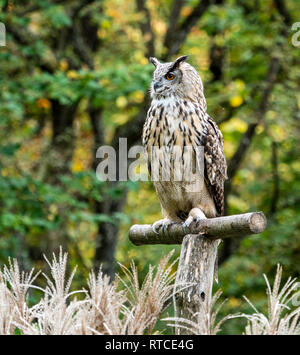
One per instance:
(163, 224)
(195, 215)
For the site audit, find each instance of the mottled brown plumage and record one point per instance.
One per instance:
(177, 119)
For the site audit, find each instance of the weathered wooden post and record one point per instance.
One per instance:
(196, 266)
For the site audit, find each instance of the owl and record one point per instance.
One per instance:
(179, 134)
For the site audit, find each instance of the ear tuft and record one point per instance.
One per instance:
(154, 61)
(178, 61)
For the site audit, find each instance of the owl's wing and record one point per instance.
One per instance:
(215, 164)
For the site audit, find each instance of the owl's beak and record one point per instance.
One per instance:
(156, 87)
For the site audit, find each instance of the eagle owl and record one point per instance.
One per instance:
(177, 118)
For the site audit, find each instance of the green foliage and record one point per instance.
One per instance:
(42, 69)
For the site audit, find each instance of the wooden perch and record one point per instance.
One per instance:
(214, 228)
(197, 263)
(194, 279)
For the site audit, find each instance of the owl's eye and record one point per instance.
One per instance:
(169, 76)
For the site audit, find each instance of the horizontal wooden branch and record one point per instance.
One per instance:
(214, 228)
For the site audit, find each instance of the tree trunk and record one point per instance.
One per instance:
(60, 154)
(59, 162)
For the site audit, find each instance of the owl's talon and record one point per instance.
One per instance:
(187, 223)
(154, 226)
(164, 224)
(195, 216)
(198, 219)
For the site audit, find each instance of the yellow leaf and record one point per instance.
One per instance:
(120, 118)
(195, 51)
(101, 33)
(140, 57)
(229, 148)
(53, 209)
(44, 103)
(240, 84)
(235, 124)
(132, 254)
(77, 166)
(72, 74)
(259, 129)
(106, 24)
(113, 13)
(4, 172)
(121, 102)
(237, 202)
(63, 64)
(285, 170)
(104, 82)
(186, 11)
(236, 101)
(277, 133)
(296, 165)
(144, 61)
(137, 96)
(271, 114)
(234, 302)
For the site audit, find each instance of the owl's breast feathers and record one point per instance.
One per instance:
(176, 122)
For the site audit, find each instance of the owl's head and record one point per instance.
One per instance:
(177, 79)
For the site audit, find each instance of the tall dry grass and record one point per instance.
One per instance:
(125, 306)
(121, 307)
(283, 316)
(203, 323)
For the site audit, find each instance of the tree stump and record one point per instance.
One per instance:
(194, 278)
